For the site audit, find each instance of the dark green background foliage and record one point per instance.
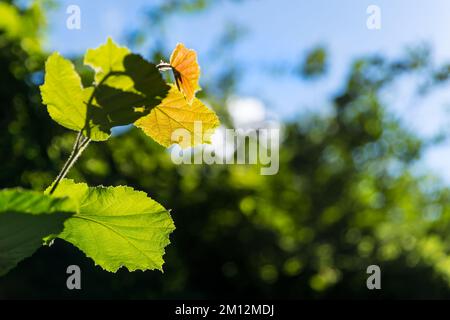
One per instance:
(344, 197)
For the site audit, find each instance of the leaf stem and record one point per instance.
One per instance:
(79, 146)
(75, 147)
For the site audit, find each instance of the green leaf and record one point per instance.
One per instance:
(116, 67)
(62, 92)
(65, 97)
(117, 226)
(107, 58)
(128, 94)
(26, 218)
(127, 88)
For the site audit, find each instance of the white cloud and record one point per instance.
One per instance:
(246, 112)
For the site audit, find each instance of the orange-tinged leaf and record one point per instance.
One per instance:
(174, 117)
(186, 70)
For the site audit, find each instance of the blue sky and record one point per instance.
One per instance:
(281, 31)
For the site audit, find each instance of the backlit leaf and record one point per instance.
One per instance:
(107, 58)
(175, 113)
(128, 86)
(66, 98)
(117, 226)
(186, 70)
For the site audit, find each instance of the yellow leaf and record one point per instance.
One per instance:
(175, 121)
(186, 70)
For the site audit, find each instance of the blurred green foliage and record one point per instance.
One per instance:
(345, 198)
(315, 63)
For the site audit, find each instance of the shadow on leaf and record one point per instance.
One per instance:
(123, 97)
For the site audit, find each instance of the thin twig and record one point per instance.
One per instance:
(80, 145)
(74, 150)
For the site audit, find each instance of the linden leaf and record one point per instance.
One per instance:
(107, 58)
(62, 92)
(66, 98)
(196, 121)
(117, 226)
(186, 70)
(128, 86)
(26, 218)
